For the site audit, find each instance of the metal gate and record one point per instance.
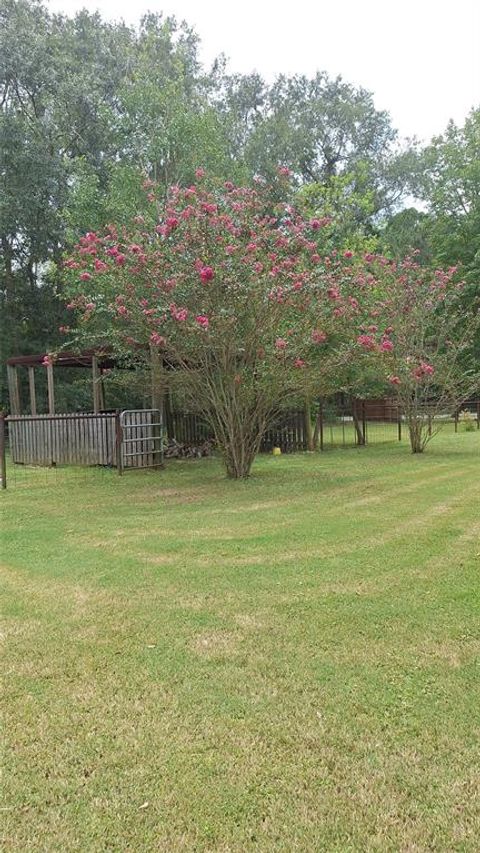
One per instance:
(141, 439)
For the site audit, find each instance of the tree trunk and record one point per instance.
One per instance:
(238, 436)
(238, 465)
(358, 424)
(415, 430)
(309, 434)
(239, 450)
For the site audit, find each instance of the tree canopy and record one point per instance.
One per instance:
(89, 109)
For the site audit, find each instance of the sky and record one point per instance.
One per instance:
(420, 58)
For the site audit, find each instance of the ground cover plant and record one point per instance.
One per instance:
(285, 663)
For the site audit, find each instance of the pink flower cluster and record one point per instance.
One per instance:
(206, 274)
(318, 337)
(367, 342)
(424, 369)
(179, 314)
(157, 339)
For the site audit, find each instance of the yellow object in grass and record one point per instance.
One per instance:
(276, 451)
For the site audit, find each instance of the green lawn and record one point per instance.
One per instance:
(288, 663)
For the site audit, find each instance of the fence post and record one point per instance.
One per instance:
(364, 423)
(118, 442)
(3, 461)
(399, 423)
(478, 414)
(456, 420)
(320, 420)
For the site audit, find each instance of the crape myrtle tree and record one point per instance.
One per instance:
(419, 333)
(230, 291)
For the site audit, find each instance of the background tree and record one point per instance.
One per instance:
(449, 184)
(416, 331)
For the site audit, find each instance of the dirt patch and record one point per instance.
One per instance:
(215, 644)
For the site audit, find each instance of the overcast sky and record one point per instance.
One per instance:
(420, 58)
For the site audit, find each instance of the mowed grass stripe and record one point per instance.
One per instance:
(288, 663)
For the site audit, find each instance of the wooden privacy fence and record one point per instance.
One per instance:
(132, 439)
(187, 428)
(71, 439)
(289, 433)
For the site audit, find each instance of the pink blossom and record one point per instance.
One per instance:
(318, 337)
(394, 380)
(120, 259)
(47, 360)
(230, 250)
(284, 171)
(333, 293)
(85, 276)
(157, 339)
(348, 254)
(229, 186)
(172, 221)
(386, 346)
(199, 173)
(315, 224)
(297, 285)
(100, 266)
(90, 306)
(206, 274)
(366, 341)
(179, 314)
(280, 344)
(135, 249)
(299, 362)
(202, 321)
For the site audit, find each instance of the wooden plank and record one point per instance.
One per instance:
(13, 389)
(31, 387)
